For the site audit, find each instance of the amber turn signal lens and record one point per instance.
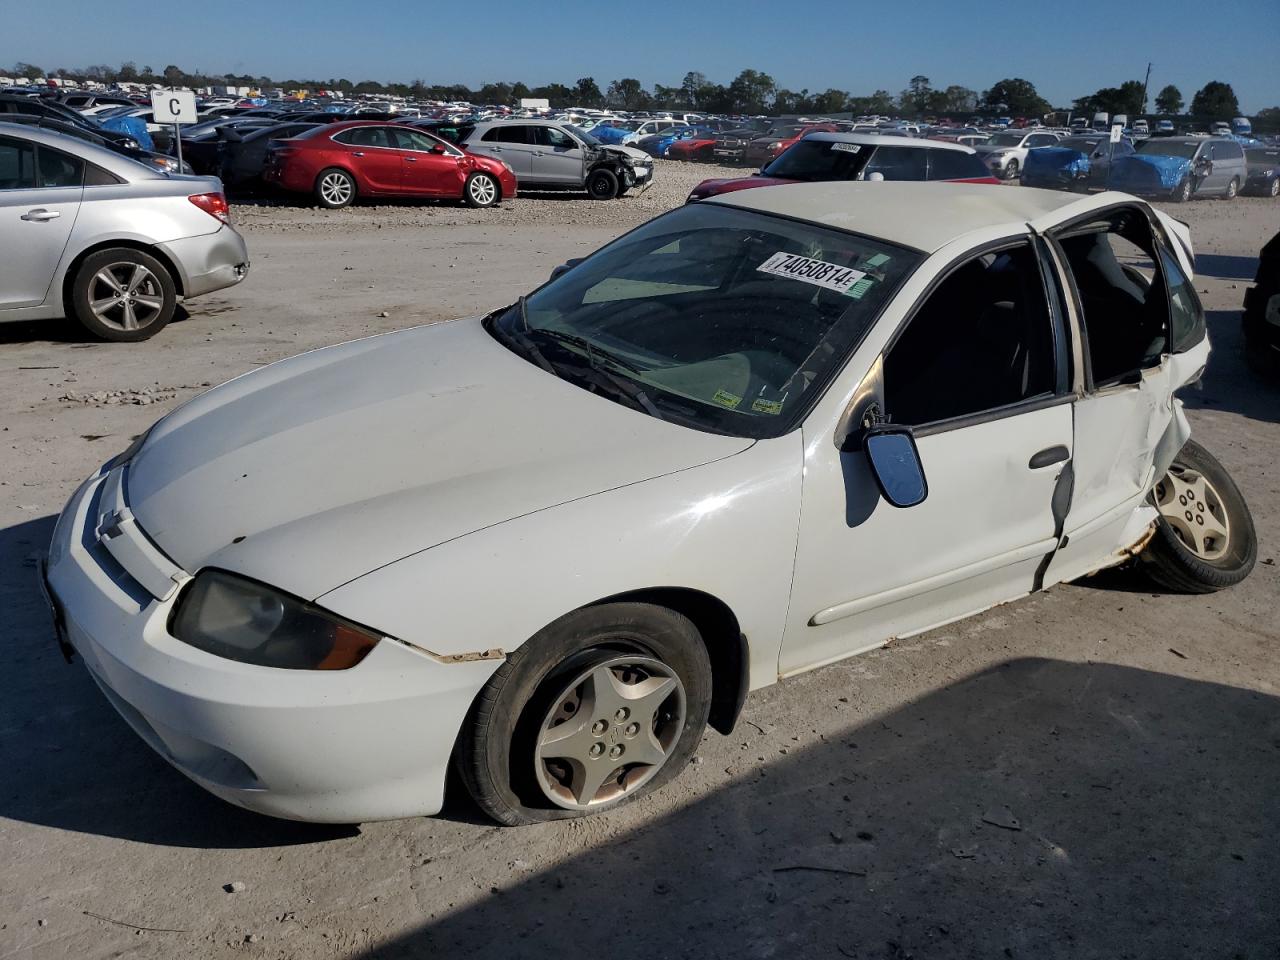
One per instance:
(350, 646)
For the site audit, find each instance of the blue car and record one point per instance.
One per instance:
(614, 131)
(1076, 163)
(656, 144)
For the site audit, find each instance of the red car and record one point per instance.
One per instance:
(858, 156)
(693, 148)
(342, 161)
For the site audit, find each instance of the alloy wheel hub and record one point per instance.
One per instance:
(1194, 510)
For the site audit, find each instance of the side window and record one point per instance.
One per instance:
(1119, 285)
(413, 140)
(1186, 315)
(897, 163)
(58, 169)
(17, 165)
(514, 133)
(556, 139)
(982, 340)
(954, 165)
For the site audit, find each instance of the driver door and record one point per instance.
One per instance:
(978, 373)
(557, 157)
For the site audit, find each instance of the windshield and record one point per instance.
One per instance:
(583, 135)
(721, 319)
(1005, 140)
(819, 160)
(785, 133)
(1168, 148)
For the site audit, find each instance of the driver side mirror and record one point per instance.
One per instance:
(1204, 165)
(565, 267)
(895, 463)
(438, 148)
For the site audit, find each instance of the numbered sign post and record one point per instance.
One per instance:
(176, 107)
(1117, 132)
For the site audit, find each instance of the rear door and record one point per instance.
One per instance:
(375, 158)
(40, 195)
(510, 143)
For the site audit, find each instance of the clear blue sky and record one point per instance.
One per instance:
(1067, 48)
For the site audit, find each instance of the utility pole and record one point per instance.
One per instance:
(1144, 88)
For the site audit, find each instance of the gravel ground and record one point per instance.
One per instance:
(672, 181)
(1090, 773)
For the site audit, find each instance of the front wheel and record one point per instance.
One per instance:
(1012, 170)
(1274, 189)
(480, 190)
(1204, 539)
(1182, 192)
(602, 184)
(123, 294)
(1233, 188)
(603, 706)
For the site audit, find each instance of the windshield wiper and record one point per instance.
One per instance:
(594, 351)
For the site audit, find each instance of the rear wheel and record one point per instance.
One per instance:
(605, 705)
(335, 188)
(1204, 538)
(123, 294)
(1182, 192)
(602, 184)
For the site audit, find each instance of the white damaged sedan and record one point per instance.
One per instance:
(550, 546)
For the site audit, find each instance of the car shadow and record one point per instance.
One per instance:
(1226, 267)
(64, 330)
(1227, 383)
(71, 762)
(1037, 809)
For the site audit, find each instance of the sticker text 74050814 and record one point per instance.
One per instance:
(818, 272)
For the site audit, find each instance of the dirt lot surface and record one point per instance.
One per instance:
(1093, 772)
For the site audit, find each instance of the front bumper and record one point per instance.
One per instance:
(729, 154)
(209, 262)
(344, 746)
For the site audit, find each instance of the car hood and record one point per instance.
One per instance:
(631, 153)
(1056, 158)
(988, 148)
(318, 469)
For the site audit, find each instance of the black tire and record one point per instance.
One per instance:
(1172, 563)
(1233, 189)
(481, 190)
(88, 287)
(1012, 170)
(496, 757)
(1260, 357)
(335, 188)
(1183, 191)
(602, 184)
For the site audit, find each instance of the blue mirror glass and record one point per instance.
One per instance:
(897, 467)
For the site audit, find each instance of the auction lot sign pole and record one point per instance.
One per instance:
(176, 107)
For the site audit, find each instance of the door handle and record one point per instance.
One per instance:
(1048, 457)
(410, 159)
(40, 215)
(357, 153)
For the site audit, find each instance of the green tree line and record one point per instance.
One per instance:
(750, 92)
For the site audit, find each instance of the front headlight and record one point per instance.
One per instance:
(241, 619)
(167, 164)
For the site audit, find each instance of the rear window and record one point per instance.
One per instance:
(59, 169)
(506, 134)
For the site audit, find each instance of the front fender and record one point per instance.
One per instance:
(726, 528)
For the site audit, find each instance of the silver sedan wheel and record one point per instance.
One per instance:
(609, 731)
(125, 296)
(336, 189)
(483, 190)
(1194, 510)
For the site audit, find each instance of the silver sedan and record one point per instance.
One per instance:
(114, 244)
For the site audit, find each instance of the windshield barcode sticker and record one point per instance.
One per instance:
(818, 272)
(845, 147)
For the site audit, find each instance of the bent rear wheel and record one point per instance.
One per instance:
(603, 706)
(123, 294)
(1204, 538)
